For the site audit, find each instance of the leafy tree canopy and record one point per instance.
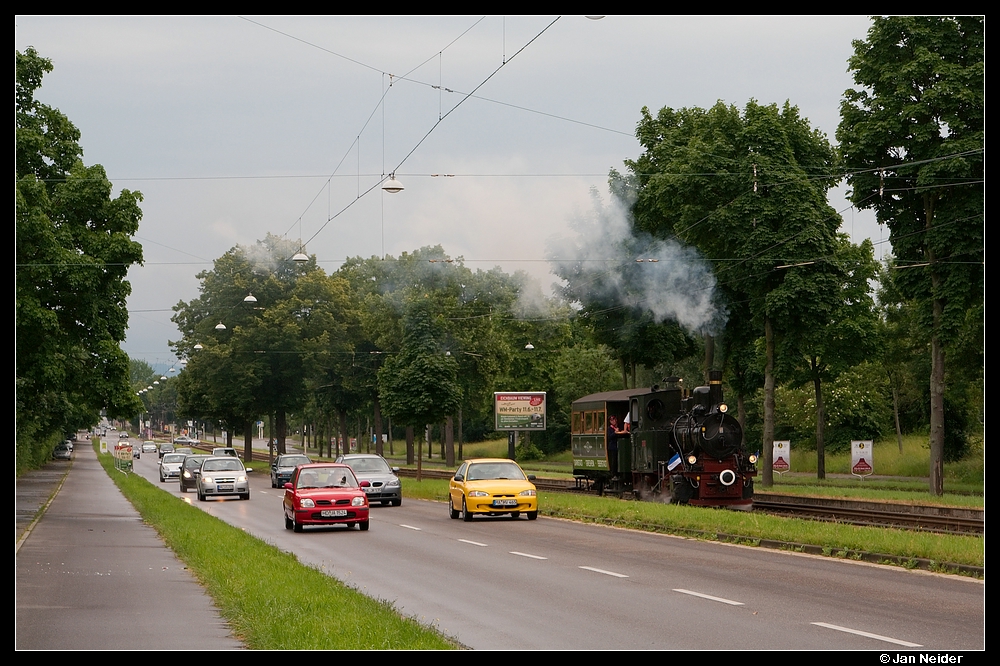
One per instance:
(73, 247)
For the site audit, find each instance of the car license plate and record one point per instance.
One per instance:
(505, 502)
(333, 513)
(223, 488)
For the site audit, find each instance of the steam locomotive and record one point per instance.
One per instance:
(680, 447)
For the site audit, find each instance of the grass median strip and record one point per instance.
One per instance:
(749, 527)
(270, 599)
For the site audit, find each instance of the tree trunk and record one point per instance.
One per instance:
(281, 425)
(345, 444)
(409, 445)
(379, 449)
(248, 441)
(460, 454)
(767, 473)
(937, 364)
(741, 417)
(820, 421)
(895, 415)
(449, 442)
(937, 408)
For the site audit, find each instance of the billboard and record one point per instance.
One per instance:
(519, 411)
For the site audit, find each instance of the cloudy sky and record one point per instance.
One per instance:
(235, 127)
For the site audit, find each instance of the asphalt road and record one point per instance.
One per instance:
(552, 584)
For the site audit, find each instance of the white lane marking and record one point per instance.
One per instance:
(411, 527)
(867, 635)
(534, 557)
(474, 543)
(607, 573)
(709, 596)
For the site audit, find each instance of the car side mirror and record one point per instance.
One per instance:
(288, 486)
(531, 477)
(459, 477)
(395, 470)
(249, 469)
(366, 484)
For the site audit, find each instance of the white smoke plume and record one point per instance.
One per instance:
(607, 262)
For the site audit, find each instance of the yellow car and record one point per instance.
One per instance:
(493, 487)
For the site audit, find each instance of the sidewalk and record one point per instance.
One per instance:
(92, 576)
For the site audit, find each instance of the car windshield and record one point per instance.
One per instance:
(326, 477)
(293, 461)
(173, 458)
(228, 465)
(494, 470)
(368, 465)
(193, 462)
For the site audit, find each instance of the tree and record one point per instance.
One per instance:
(840, 330)
(749, 191)
(912, 138)
(285, 333)
(73, 250)
(419, 385)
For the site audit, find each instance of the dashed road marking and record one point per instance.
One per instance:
(534, 557)
(606, 573)
(474, 543)
(710, 597)
(867, 635)
(411, 527)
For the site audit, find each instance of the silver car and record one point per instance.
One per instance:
(385, 486)
(223, 475)
(170, 466)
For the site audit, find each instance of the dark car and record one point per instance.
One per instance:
(166, 448)
(284, 466)
(190, 470)
(384, 484)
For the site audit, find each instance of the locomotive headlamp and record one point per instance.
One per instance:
(723, 408)
(753, 459)
(692, 459)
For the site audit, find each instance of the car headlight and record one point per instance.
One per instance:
(479, 493)
(306, 503)
(394, 483)
(241, 479)
(207, 479)
(187, 474)
(358, 501)
(527, 493)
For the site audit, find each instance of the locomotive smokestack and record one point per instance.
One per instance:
(715, 386)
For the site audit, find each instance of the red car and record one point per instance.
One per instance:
(325, 494)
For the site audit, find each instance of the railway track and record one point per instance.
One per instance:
(946, 520)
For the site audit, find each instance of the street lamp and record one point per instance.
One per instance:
(392, 186)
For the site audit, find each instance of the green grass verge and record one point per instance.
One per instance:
(904, 492)
(270, 599)
(913, 461)
(750, 527)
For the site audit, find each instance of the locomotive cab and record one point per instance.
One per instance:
(684, 448)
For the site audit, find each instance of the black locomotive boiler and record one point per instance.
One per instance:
(680, 447)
